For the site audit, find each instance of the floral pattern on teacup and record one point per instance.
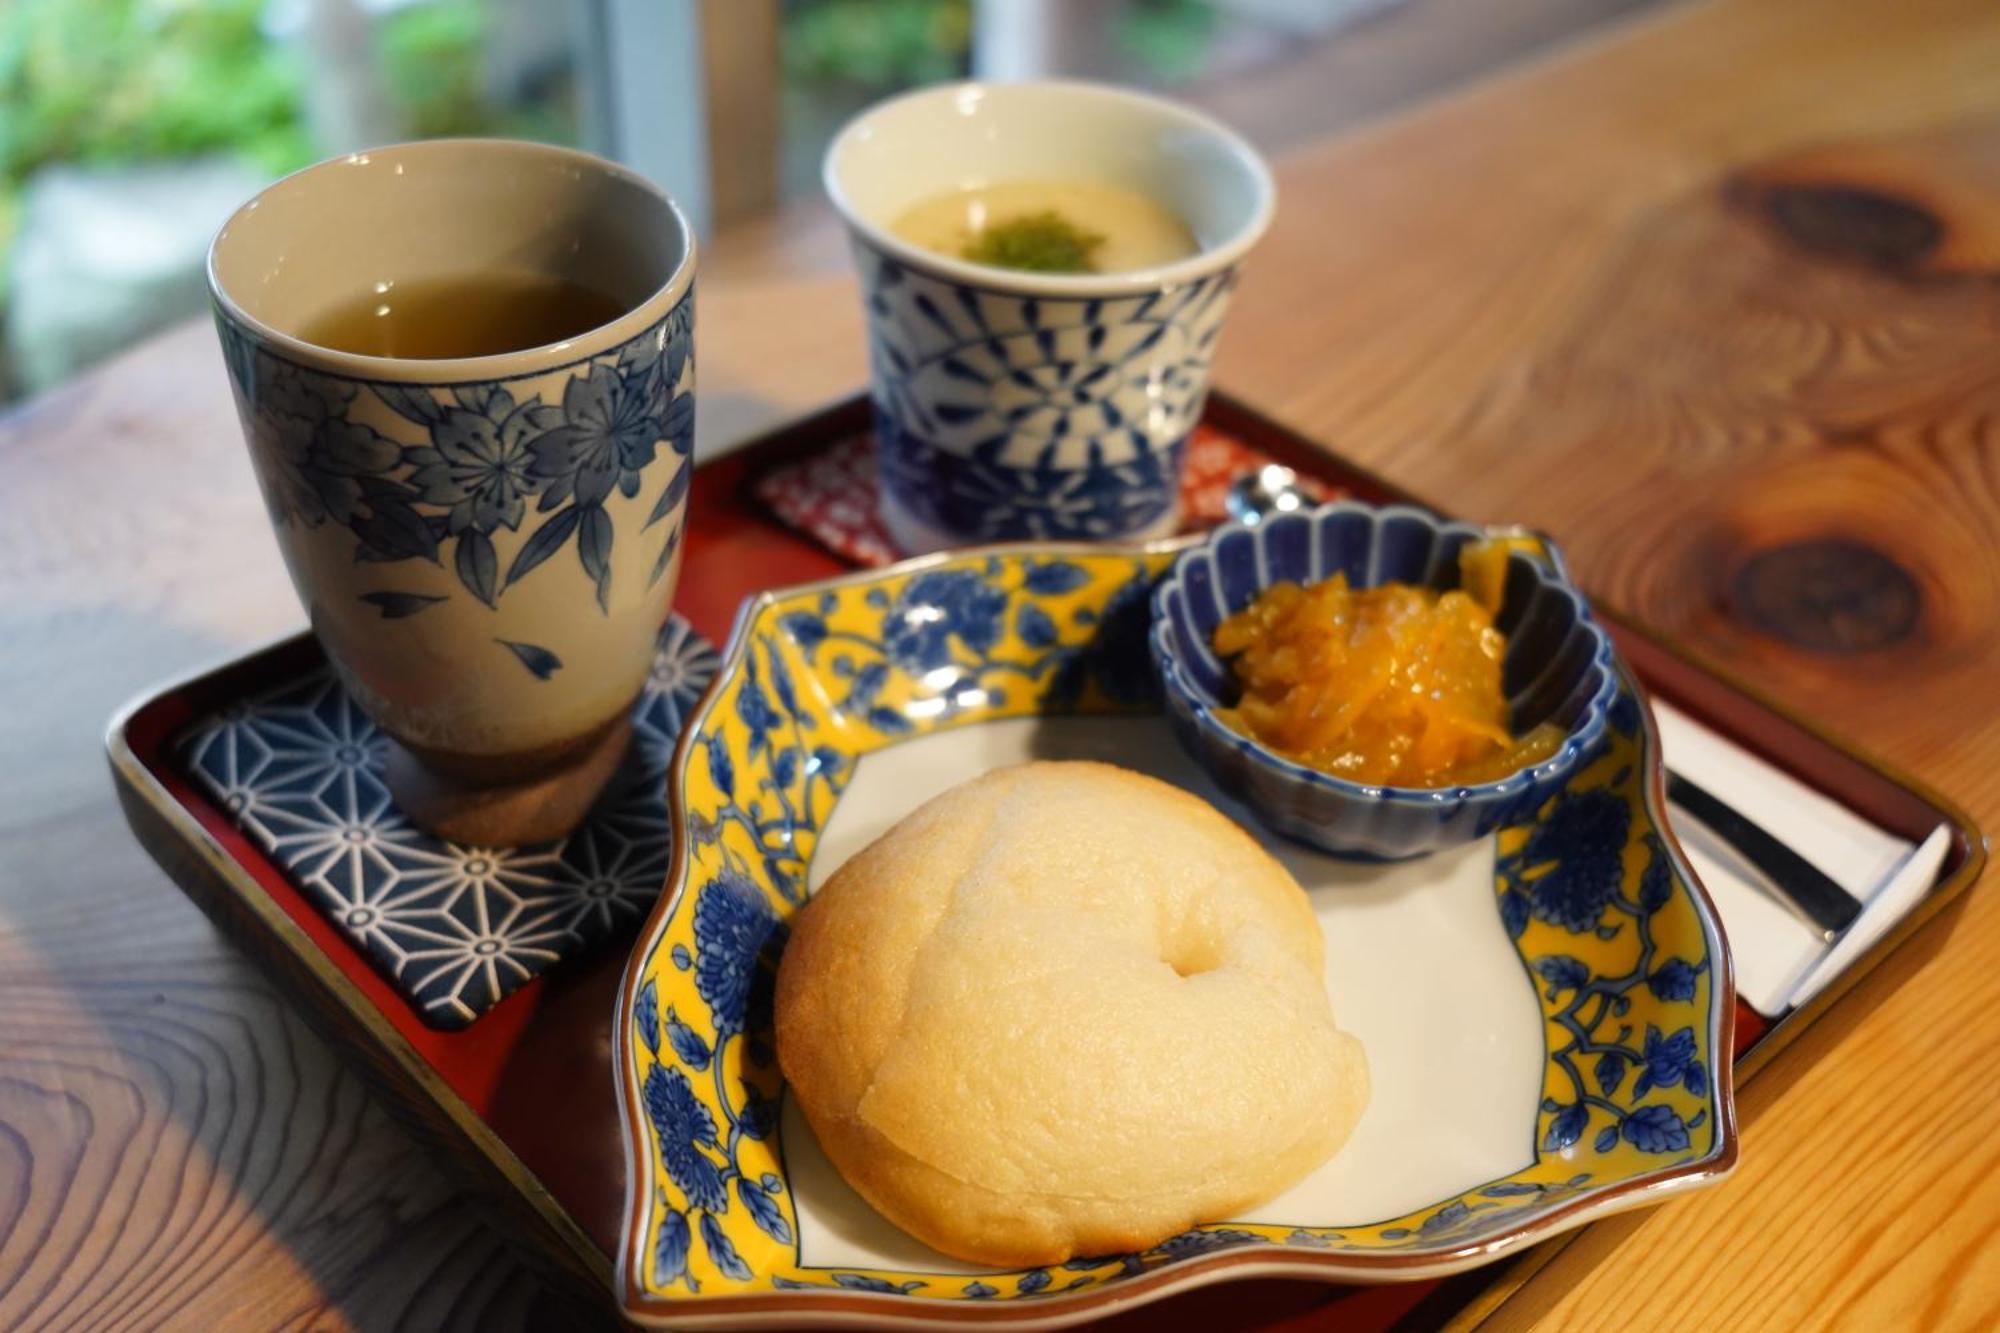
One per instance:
(447, 467)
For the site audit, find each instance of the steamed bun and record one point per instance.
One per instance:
(1064, 1009)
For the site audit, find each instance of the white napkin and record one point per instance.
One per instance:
(1780, 960)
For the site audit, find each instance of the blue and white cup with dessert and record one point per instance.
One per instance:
(1045, 267)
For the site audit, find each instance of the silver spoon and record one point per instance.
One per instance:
(1271, 489)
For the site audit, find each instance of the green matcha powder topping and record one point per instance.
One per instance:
(1044, 242)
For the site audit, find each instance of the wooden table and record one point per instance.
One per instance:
(1714, 296)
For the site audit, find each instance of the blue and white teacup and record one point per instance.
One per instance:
(1014, 405)
(486, 546)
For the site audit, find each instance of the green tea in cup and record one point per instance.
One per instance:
(483, 314)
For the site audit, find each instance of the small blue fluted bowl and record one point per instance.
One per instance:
(1558, 667)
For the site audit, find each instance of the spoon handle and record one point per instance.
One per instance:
(1795, 881)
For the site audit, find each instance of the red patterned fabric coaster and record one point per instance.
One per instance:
(830, 496)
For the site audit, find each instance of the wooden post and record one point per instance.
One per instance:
(739, 56)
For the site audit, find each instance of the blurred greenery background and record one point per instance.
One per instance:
(129, 128)
(115, 105)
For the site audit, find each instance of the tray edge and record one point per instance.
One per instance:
(231, 899)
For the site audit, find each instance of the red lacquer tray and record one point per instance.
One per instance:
(523, 1098)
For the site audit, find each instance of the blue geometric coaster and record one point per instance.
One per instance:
(456, 929)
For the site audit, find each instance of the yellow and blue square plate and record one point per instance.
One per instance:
(1547, 1011)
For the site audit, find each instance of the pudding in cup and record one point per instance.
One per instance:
(1013, 404)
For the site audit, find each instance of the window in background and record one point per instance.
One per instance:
(130, 128)
(840, 55)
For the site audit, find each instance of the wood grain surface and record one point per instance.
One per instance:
(1714, 297)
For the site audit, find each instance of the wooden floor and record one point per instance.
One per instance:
(1714, 295)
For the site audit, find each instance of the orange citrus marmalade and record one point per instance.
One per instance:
(1390, 686)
